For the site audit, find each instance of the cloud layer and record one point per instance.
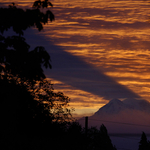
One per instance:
(99, 49)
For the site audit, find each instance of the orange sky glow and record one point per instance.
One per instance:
(112, 36)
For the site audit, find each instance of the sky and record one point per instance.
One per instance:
(99, 50)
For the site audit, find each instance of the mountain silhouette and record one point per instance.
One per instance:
(128, 116)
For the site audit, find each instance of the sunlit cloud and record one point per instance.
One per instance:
(82, 101)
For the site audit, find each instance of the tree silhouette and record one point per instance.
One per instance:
(76, 138)
(27, 97)
(16, 60)
(144, 144)
(99, 139)
(31, 111)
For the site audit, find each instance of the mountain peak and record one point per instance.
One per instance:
(113, 107)
(115, 101)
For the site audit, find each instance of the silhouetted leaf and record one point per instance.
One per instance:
(37, 4)
(50, 15)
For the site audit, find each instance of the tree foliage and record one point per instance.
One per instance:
(25, 91)
(16, 58)
(76, 138)
(99, 139)
(20, 19)
(144, 144)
